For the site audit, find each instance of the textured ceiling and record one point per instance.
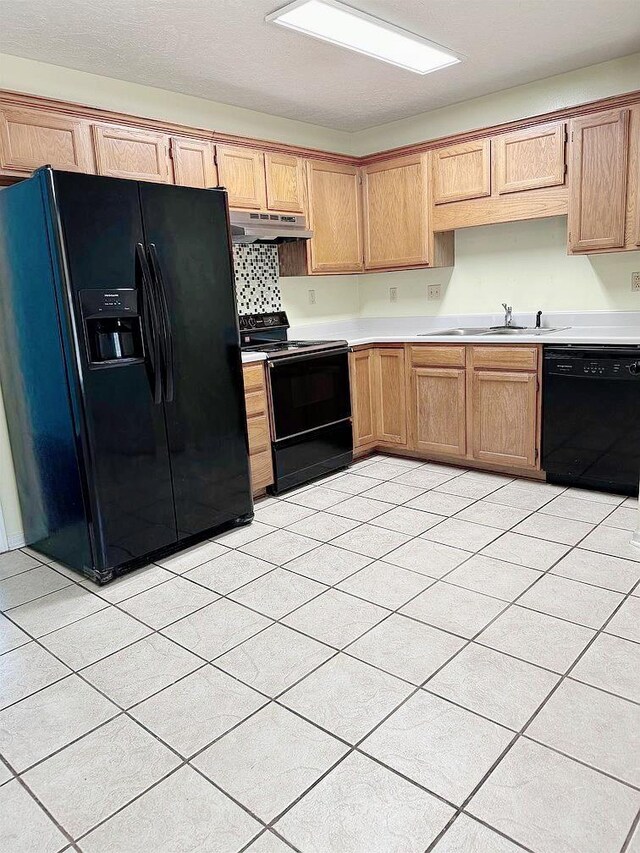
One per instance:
(224, 51)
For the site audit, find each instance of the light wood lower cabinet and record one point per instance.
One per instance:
(437, 417)
(362, 393)
(390, 395)
(378, 396)
(504, 418)
(258, 427)
(477, 404)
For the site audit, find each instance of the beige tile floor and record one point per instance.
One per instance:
(405, 657)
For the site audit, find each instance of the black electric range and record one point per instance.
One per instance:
(309, 400)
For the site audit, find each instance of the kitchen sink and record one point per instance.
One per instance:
(500, 330)
(460, 332)
(510, 330)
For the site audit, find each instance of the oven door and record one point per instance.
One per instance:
(309, 391)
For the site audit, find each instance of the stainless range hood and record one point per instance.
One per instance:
(249, 227)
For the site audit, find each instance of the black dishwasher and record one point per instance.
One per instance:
(591, 417)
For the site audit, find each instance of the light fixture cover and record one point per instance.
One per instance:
(339, 24)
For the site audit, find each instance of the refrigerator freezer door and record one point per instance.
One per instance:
(128, 459)
(187, 238)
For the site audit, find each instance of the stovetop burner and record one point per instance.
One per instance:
(268, 333)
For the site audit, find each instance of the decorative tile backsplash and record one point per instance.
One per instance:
(256, 270)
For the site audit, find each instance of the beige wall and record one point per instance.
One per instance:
(542, 96)
(53, 81)
(336, 298)
(9, 506)
(522, 263)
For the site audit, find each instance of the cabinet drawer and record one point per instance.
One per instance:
(505, 358)
(261, 470)
(259, 438)
(438, 356)
(256, 402)
(253, 377)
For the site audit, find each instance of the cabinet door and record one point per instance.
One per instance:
(33, 138)
(598, 180)
(438, 410)
(462, 171)
(124, 152)
(335, 217)
(241, 172)
(529, 159)
(193, 163)
(390, 395)
(504, 418)
(285, 182)
(362, 384)
(395, 205)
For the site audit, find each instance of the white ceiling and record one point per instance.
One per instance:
(224, 51)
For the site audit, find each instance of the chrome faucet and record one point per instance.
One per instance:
(507, 313)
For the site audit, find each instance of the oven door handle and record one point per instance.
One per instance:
(317, 354)
(282, 438)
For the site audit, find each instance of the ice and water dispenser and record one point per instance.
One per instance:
(112, 326)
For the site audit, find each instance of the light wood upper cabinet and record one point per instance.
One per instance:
(390, 395)
(241, 172)
(361, 364)
(438, 416)
(335, 216)
(529, 159)
(462, 171)
(33, 138)
(598, 180)
(396, 209)
(504, 418)
(284, 175)
(124, 152)
(193, 163)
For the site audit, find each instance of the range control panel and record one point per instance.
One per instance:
(260, 322)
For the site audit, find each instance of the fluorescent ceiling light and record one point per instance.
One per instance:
(334, 22)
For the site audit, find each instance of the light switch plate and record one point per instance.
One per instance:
(434, 291)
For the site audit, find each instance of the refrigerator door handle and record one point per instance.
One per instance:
(150, 327)
(166, 323)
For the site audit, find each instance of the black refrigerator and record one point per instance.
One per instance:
(120, 368)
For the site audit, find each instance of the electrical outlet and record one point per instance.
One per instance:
(635, 281)
(393, 294)
(434, 291)
(312, 297)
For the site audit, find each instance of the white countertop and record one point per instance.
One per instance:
(248, 357)
(588, 327)
(572, 335)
